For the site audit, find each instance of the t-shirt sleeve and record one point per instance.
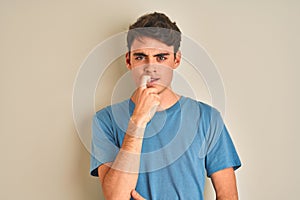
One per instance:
(221, 152)
(103, 147)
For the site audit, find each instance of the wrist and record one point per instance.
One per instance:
(138, 121)
(135, 130)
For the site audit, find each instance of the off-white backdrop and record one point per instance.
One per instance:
(255, 45)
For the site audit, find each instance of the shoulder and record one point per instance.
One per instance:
(204, 108)
(116, 115)
(110, 111)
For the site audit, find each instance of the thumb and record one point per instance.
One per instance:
(136, 196)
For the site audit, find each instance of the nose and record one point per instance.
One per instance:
(149, 68)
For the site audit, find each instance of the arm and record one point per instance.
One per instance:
(224, 183)
(119, 178)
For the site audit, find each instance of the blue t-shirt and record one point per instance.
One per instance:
(182, 145)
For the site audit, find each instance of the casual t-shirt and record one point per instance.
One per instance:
(182, 145)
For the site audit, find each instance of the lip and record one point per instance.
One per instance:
(152, 80)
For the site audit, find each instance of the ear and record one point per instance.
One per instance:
(177, 59)
(127, 60)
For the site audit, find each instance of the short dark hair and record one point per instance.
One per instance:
(157, 26)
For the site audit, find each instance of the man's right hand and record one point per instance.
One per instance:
(146, 100)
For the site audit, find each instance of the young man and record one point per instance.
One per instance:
(158, 144)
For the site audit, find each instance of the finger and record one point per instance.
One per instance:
(151, 91)
(153, 110)
(155, 99)
(140, 90)
(136, 196)
(144, 81)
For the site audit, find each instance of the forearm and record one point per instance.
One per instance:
(228, 197)
(122, 176)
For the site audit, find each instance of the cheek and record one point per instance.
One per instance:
(167, 71)
(169, 76)
(137, 74)
(166, 77)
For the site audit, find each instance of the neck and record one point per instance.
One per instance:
(167, 99)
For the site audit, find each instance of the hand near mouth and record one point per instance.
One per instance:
(146, 100)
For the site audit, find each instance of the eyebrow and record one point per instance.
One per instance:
(156, 55)
(139, 54)
(161, 54)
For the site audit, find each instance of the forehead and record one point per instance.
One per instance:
(146, 44)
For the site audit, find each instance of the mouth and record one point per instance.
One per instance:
(152, 80)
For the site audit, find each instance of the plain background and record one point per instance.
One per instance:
(255, 45)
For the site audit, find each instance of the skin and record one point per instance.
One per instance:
(151, 57)
(154, 58)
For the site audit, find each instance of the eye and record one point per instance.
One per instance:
(139, 58)
(161, 58)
